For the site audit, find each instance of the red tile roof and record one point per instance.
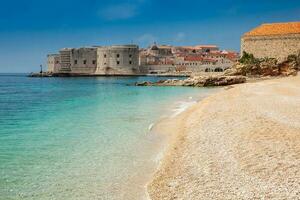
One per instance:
(206, 46)
(198, 58)
(275, 29)
(193, 58)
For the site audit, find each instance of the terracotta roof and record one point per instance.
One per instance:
(275, 29)
(232, 56)
(193, 58)
(186, 47)
(198, 58)
(206, 46)
(165, 47)
(209, 60)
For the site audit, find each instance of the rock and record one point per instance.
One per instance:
(145, 83)
(266, 67)
(224, 80)
(198, 81)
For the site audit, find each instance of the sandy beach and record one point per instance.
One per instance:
(241, 143)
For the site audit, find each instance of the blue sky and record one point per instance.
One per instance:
(31, 29)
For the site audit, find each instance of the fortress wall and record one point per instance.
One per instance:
(53, 62)
(84, 60)
(118, 60)
(278, 47)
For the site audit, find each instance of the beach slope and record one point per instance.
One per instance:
(241, 143)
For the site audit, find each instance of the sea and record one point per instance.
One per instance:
(83, 137)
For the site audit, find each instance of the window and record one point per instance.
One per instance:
(130, 62)
(75, 62)
(104, 63)
(118, 55)
(130, 55)
(104, 55)
(94, 62)
(57, 62)
(84, 62)
(118, 62)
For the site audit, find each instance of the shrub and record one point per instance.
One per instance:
(248, 59)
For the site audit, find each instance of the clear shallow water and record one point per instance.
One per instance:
(80, 138)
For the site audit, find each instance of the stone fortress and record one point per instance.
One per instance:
(130, 60)
(276, 40)
(112, 60)
(118, 59)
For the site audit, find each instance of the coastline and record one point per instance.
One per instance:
(242, 142)
(160, 128)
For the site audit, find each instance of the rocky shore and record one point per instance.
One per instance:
(198, 81)
(250, 66)
(247, 68)
(241, 143)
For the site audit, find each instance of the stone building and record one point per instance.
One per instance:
(195, 49)
(53, 61)
(276, 40)
(118, 60)
(65, 60)
(162, 50)
(129, 60)
(112, 60)
(217, 62)
(84, 60)
(81, 61)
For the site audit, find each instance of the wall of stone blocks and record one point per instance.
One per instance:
(53, 63)
(118, 60)
(84, 60)
(278, 47)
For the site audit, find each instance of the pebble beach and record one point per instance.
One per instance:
(241, 143)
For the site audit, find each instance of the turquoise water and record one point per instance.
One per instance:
(80, 138)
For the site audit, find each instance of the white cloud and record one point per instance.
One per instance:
(179, 37)
(119, 12)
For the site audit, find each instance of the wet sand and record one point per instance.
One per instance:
(241, 143)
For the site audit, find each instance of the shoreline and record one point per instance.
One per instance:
(216, 151)
(159, 128)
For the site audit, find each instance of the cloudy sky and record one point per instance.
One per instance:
(31, 29)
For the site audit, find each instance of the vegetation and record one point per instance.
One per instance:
(248, 58)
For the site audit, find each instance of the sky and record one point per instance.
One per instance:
(31, 29)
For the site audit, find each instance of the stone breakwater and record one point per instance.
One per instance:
(197, 81)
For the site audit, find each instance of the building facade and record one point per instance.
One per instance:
(129, 60)
(53, 62)
(186, 59)
(111, 60)
(65, 60)
(84, 60)
(277, 40)
(118, 60)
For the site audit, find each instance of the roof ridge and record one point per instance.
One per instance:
(279, 23)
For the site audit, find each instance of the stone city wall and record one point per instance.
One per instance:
(53, 62)
(83, 61)
(118, 60)
(278, 47)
